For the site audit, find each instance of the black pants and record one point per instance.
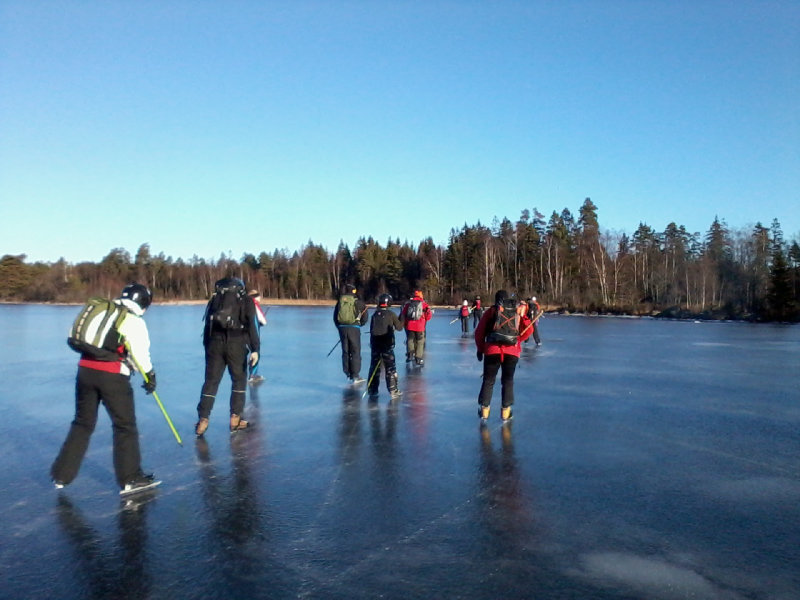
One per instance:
(477, 313)
(386, 356)
(224, 351)
(464, 324)
(114, 391)
(415, 344)
(351, 350)
(492, 364)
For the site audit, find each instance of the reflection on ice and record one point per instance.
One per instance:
(652, 577)
(110, 568)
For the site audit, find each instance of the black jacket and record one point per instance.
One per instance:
(382, 327)
(247, 333)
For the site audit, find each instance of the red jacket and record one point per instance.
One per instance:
(484, 328)
(419, 324)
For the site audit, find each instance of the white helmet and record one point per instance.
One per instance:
(533, 298)
(465, 303)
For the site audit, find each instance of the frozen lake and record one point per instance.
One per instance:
(647, 459)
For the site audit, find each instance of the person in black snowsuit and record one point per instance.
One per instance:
(350, 332)
(382, 327)
(228, 347)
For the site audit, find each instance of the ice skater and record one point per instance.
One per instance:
(103, 376)
(463, 314)
(477, 311)
(229, 334)
(534, 314)
(415, 315)
(349, 316)
(261, 320)
(381, 340)
(500, 331)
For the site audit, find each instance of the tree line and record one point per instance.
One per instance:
(569, 263)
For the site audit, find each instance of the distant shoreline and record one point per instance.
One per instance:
(548, 309)
(264, 302)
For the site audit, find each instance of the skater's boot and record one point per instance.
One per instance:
(238, 423)
(483, 413)
(201, 427)
(138, 483)
(506, 414)
(391, 384)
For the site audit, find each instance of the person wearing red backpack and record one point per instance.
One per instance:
(463, 314)
(477, 311)
(415, 316)
(498, 335)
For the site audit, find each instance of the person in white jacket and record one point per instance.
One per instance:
(261, 320)
(105, 377)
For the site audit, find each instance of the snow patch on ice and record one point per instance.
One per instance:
(652, 577)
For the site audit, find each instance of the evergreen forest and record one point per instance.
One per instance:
(568, 262)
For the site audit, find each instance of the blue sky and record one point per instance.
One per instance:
(206, 127)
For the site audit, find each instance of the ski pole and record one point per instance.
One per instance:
(158, 400)
(454, 320)
(358, 319)
(371, 377)
(334, 348)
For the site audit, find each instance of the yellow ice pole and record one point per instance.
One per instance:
(371, 377)
(155, 395)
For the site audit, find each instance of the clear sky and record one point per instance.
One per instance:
(204, 127)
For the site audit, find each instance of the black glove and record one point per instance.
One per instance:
(150, 385)
(480, 356)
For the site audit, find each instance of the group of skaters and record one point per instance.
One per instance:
(113, 342)
(476, 310)
(350, 314)
(499, 331)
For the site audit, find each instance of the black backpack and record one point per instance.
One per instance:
(382, 329)
(95, 331)
(226, 309)
(505, 328)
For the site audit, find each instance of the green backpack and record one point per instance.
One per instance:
(347, 314)
(95, 331)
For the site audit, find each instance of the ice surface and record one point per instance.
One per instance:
(646, 459)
